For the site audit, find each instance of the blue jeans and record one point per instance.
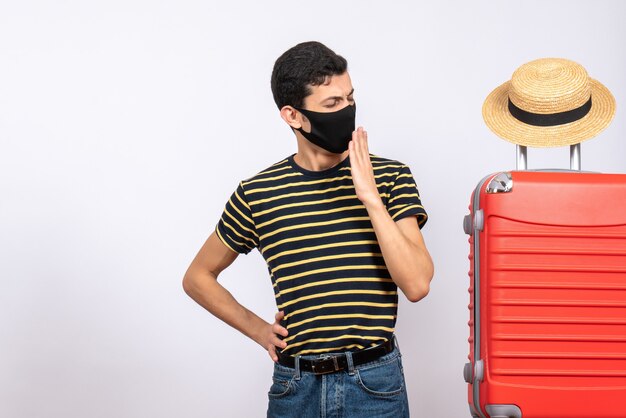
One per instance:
(374, 389)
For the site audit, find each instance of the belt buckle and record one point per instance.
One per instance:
(325, 365)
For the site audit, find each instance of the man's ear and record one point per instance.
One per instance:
(290, 115)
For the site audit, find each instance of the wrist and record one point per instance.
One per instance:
(259, 333)
(375, 203)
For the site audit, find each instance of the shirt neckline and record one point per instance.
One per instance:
(320, 173)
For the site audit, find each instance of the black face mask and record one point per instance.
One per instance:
(331, 131)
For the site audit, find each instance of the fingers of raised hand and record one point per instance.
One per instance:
(358, 145)
(362, 137)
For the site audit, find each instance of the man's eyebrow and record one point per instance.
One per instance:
(339, 97)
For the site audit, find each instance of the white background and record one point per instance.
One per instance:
(126, 125)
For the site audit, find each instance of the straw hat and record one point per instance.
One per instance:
(549, 102)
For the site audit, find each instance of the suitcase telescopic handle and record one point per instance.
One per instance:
(574, 157)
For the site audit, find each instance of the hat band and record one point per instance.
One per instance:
(552, 119)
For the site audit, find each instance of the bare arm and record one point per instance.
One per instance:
(404, 251)
(401, 242)
(200, 283)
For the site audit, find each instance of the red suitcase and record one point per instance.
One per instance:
(547, 294)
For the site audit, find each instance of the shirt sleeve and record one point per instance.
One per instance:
(236, 227)
(404, 199)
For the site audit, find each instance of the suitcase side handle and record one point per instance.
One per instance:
(574, 157)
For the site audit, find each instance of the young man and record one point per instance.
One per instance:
(339, 229)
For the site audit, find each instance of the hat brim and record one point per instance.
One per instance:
(498, 118)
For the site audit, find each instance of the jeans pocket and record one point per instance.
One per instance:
(382, 380)
(281, 385)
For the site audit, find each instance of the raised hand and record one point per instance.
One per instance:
(362, 171)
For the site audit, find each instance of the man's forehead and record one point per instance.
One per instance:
(334, 85)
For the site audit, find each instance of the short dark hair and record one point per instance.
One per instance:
(304, 65)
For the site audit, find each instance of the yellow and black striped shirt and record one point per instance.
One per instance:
(324, 261)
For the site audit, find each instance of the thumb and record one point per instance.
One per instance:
(279, 316)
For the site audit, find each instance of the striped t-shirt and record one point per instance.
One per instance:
(324, 261)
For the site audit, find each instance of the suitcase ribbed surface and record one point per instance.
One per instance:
(558, 304)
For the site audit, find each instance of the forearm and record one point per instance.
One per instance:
(409, 264)
(211, 295)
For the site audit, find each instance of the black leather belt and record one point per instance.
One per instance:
(335, 363)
